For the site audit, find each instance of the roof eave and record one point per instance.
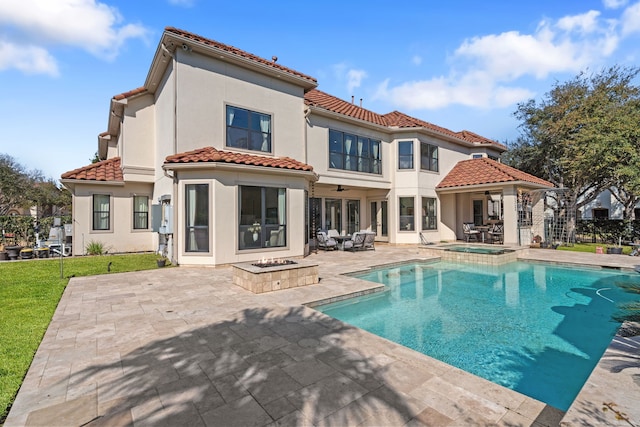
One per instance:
(171, 41)
(72, 181)
(224, 166)
(493, 185)
(343, 117)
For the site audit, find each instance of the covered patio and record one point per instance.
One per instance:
(484, 192)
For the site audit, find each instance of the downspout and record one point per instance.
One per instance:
(307, 112)
(174, 177)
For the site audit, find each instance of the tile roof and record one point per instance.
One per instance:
(486, 171)
(106, 170)
(317, 98)
(130, 93)
(212, 155)
(401, 120)
(238, 52)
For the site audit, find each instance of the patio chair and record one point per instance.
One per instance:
(332, 233)
(496, 234)
(469, 231)
(326, 243)
(369, 241)
(356, 243)
(424, 241)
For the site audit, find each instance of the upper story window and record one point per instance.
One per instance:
(354, 153)
(428, 157)
(405, 155)
(248, 130)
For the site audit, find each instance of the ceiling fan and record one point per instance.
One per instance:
(341, 188)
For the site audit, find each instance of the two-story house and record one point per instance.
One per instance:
(223, 156)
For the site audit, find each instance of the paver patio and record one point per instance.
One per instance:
(184, 346)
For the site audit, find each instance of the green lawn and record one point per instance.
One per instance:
(591, 247)
(29, 294)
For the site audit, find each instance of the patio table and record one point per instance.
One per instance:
(483, 229)
(341, 240)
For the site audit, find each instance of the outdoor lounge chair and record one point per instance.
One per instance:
(496, 234)
(325, 242)
(332, 233)
(356, 243)
(469, 231)
(424, 241)
(369, 241)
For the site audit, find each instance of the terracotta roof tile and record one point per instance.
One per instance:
(317, 98)
(130, 93)
(211, 155)
(239, 52)
(106, 170)
(401, 120)
(474, 137)
(486, 171)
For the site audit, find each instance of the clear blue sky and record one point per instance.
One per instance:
(458, 64)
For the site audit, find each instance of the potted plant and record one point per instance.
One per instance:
(617, 250)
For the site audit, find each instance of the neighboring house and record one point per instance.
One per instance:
(246, 158)
(606, 206)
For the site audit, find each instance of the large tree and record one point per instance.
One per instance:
(14, 185)
(22, 188)
(584, 136)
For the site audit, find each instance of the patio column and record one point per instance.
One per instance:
(510, 215)
(537, 216)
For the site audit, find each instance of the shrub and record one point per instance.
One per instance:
(95, 248)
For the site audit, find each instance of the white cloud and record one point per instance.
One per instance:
(631, 19)
(86, 24)
(354, 79)
(485, 70)
(416, 60)
(350, 76)
(28, 59)
(614, 4)
(585, 23)
(440, 92)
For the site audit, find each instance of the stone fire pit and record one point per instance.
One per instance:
(269, 276)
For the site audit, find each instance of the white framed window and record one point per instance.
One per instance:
(405, 155)
(407, 213)
(428, 157)
(248, 130)
(429, 214)
(354, 153)
(196, 218)
(101, 212)
(263, 217)
(140, 212)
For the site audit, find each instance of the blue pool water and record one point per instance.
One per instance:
(539, 329)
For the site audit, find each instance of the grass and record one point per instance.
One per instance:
(591, 247)
(29, 294)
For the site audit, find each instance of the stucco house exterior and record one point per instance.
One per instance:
(223, 157)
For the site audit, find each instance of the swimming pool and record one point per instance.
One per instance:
(539, 329)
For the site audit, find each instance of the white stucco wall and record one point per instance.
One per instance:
(224, 216)
(205, 87)
(121, 237)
